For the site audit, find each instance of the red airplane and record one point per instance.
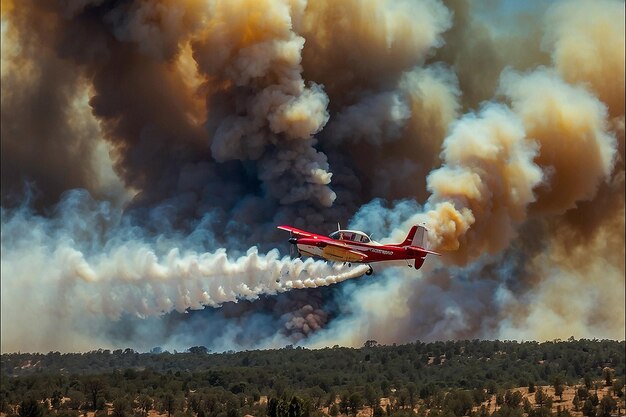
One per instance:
(353, 246)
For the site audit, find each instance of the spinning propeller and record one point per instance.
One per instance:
(293, 247)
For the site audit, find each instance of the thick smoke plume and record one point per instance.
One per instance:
(150, 148)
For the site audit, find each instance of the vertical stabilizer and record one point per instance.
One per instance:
(420, 237)
(417, 237)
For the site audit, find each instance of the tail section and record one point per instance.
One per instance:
(416, 237)
(415, 245)
(416, 241)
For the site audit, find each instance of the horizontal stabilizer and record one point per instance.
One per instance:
(418, 249)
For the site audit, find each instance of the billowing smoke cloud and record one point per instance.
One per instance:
(150, 148)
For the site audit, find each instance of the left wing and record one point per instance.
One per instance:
(295, 231)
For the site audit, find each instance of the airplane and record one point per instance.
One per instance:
(353, 246)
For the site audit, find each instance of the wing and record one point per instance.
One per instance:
(342, 253)
(297, 232)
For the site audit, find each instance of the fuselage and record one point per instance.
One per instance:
(353, 246)
(350, 245)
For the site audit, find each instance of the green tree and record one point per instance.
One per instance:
(512, 398)
(499, 399)
(55, 400)
(558, 387)
(144, 402)
(606, 406)
(583, 393)
(77, 399)
(272, 407)
(576, 402)
(618, 387)
(540, 397)
(330, 398)
(588, 408)
(30, 408)
(531, 387)
(356, 402)
(198, 350)
(344, 403)
(608, 376)
(527, 406)
(295, 407)
(411, 389)
(121, 408)
(94, 387)
(232, 408)
(371, 397)
(170, 403)
(317, 394)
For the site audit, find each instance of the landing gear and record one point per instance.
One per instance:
(369, 271)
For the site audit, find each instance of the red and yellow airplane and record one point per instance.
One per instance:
(353, 246)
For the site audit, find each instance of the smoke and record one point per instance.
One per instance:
(150, 148)
(100, 270)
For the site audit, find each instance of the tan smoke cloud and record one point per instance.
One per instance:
(570, 126)
(586, 39)
(481, 192)
(578, 288)
(27, 65)
(354, 45)
(491, 170)
(410, 121)
(251, 47)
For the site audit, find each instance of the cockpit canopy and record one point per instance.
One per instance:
(352, 235)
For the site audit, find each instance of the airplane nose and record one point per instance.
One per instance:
(293, 240)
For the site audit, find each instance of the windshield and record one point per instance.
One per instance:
(350, 235)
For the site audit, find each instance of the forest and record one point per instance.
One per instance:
(452, 378)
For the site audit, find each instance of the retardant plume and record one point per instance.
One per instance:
(98, 278)
(148, 145)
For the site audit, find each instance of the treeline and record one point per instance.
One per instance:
(442, 377)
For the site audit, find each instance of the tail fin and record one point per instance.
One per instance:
(416, 237)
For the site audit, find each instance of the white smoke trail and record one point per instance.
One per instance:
(132, 279)
(67, 276)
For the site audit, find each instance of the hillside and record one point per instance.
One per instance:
(439, 377)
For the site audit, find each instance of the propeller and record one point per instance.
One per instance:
(293, 247)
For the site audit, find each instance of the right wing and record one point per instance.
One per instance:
(342, 253)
